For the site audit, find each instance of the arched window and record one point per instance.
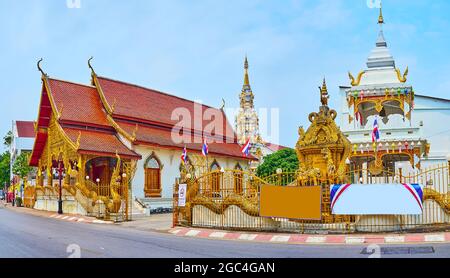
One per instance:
(152, 186)
(216, 177)
(238, 176)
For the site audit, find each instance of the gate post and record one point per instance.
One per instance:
(175, 205)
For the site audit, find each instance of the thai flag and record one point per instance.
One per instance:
(205, 149)
(184, 155)
(246, 148)
(375, 132)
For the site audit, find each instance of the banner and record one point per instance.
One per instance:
(303, 203)
(182, 195)
(376, 199)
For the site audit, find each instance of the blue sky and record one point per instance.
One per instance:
(195, 49)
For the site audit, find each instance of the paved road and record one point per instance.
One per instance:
(27, 236)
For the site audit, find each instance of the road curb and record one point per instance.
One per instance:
(60, 217)
(443, 237)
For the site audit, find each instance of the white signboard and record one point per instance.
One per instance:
(182, 188)
(376, 199)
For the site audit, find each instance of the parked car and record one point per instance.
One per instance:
(2, 195)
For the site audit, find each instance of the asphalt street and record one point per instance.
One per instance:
(28, 236)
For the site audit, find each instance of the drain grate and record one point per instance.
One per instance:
(401, 250)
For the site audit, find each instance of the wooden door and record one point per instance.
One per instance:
(152, 182)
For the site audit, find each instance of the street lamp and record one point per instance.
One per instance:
(60, 173)
(279, 171)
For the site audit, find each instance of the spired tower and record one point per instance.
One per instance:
(380, 96)
(247, 122)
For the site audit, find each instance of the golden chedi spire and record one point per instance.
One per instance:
(380, 17)
(246, 79)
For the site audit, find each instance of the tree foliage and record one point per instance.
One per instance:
(21, 167)
(285, 159)
(7, 139)
(4, 169)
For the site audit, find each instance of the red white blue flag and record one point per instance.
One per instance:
(205, 149)
(375, 132)
(246, 148)
(184, 155)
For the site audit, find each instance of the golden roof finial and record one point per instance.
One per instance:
(380, 18)
(324, 88)
(324, 93)
(78, 140)
(40, 69)
(90, 66)
(135, 132)
(246, 79)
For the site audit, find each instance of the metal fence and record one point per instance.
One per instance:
(230, 200)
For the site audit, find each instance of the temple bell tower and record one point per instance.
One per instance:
(247, 123)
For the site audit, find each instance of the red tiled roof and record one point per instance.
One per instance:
(163, 138)
(99, 142)
(275, 147)
(25, 129)
(138, 103)
(80, 103)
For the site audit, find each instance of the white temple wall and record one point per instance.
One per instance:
(171, 161)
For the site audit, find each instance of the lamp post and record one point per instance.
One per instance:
(60, 172)
(279, 171)
(125, 194)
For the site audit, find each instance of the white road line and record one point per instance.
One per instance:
(354, 240)
(218, 235)
(175, 231)
(316, 239)
(58, 217)
(80, 220)
(394, 239)
(65, 217)
(192, 233)
(247, 237)
(280, 238)
(53, 216)
(435, 238)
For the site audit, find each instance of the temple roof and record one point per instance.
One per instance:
(139, 104)
(162, 137)
(25, 129)
(76, 108)
(101, 143)
(77, 103)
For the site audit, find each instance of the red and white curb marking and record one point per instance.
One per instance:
(314, 239)
(78, 219)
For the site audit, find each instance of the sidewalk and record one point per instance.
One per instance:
(54, 215)
(154, 222)
(357, 239)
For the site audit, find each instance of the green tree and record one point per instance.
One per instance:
(4, 169)
(21, 167)
(285, 159)
(7, 139)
